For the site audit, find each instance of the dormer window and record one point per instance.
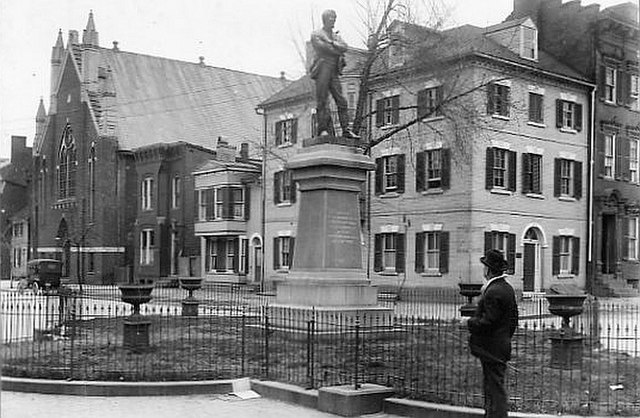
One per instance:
(529, 43)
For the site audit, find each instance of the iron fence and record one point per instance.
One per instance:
(420, 350)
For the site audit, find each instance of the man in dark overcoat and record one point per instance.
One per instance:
(491, 328)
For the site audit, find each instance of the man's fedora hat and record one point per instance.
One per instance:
(494, 260)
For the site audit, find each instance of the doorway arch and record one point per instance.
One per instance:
(533, 243)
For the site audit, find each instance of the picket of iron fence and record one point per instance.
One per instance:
(421, 350)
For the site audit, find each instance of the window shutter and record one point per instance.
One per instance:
(556, 176)
(625, 169)
(489, 168)
(276, 254)
(236, 253)
(292, 247)
(578, 123)
(445, 155)
(278, 133)
(227, 203)
(444, 252)
(511, 155)
(221, 259)
(400, 245)
(419, 252)
(533, 112)
(196, 206)
(401, 170)
(526, 177)
(294, 130)
(577, 179)
(422, 104)
(439, 95)
(396, 110)
(621, 92)
(247, 202)
(625, 242)
(600, 142)
(276, 186)
(488, 244)
(558, 113)
(420, 171)
(377, 252)
(511, 253)
(379, 112)
(294, 190)
(505, 94)
(207, 258)
(575, 256)
(602, 82)
(555, 263)
(379, 189)
(625, 82)
(619, 157)
(490, 95)
(245, 244)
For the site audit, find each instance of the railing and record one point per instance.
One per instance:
(421, 351)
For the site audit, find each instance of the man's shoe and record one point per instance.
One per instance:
(348, 133)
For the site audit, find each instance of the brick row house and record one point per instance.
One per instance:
(604, 45)
(494, 155)
(113, 158)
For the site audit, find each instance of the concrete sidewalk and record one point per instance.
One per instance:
(33, 405)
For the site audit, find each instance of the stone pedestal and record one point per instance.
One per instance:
(190, 307)
(566, 350)
(136, 333)
(327, 273)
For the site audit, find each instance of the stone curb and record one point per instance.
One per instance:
(268, 389)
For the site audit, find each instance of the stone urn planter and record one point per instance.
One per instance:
(566, 343)
(470, 291)
(136, 326)
(190, 303)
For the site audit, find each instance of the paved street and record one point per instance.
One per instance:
(28, 405)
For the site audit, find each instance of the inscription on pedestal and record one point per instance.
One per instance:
(342, 228)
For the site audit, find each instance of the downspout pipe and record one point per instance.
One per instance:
(260, 111)
(590, 194)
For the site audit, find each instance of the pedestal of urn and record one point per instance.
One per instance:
(136, 326)
(190, 304)
(566, 343)
(327, 272)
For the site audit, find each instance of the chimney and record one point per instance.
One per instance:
(282, 76)
(73, 37)
(201, 63)
(244, 151)
(224, 152)
(20, 154)
(115, 46)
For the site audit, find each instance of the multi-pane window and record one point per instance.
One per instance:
(633, 160)
(500, 169)
(498, 101)
(504, 242)
(175, 192)
(286, 131)
(390, 174)
(632, 238)
(222, 254)
(610, 81)
(388, 111)
(432, 169)
(146, 193)
(283, 187)
(634, 91)
(532, 173)
(283, 252)
(227, 202)
(389, 252)
(609, 155)
(429, 101)
(432, 251)
(529, 43)
(67, 166)
(146, 246)
(536, 108)
(568, 115)
(566, 255)
(568, 178)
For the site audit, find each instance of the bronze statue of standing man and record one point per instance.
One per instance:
(325, 70)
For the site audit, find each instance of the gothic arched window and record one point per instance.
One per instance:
(67, 163)
(92, 181)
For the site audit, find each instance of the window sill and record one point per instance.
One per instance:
(388, 273)
(283, 204)
(389, 195)
(435, 190)
(501, 191)
(567, 199)
(387, 127)
(282, 271)
(564, 276)
(535, 196)
(285, 145)
(434, 273)
(568, 131)
(500, 117)
(432, 119)
(537, 124)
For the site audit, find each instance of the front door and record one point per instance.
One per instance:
(529, 268)
(608, 244)
(257, 264)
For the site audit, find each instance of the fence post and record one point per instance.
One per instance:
(310, 352)
(357, 359)
(266, 343)
(244, 322)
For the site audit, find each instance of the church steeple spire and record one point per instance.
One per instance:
(56, 51)
(41, 120)
(90, 35)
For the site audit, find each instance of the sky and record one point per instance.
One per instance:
(256, 36)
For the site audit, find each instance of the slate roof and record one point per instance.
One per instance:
(160, 100)
(212, 165)
(462, 41)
